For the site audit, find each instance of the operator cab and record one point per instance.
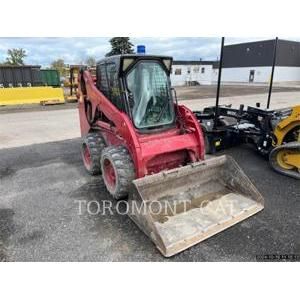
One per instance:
(139, 85)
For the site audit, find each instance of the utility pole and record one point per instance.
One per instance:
(272, 73)
(219, 83)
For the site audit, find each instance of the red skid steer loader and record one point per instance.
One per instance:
(151, 150)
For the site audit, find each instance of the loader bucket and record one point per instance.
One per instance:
(182, 207)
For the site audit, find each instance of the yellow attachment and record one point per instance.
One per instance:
(31, 95)
(293, 159)
(71, 98)
(282, 157)
(287, 125)
(288, 159)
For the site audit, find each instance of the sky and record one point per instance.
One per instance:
(43, 50)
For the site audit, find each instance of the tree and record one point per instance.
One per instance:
(15, 57)
(90, 61)
(120, 45)
(60, 66)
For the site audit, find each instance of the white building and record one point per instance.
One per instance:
(186, 72)
(252, 62)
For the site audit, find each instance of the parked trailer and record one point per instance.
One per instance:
(50, 77)
(20, 76)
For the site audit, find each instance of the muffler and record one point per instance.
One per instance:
(182, 207)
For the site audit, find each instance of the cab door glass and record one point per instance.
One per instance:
(149, 88)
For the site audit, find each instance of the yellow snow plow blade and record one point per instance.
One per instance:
(182, 207)
(31, 95)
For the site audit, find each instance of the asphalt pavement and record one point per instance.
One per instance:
(42, 184)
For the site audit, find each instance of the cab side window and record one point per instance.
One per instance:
(102, 83)
(114, 86)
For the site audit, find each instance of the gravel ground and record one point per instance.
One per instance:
(39, 218)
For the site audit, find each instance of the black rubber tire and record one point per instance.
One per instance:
(124, 170)
(95, 143)
(207, 145)
(295, 173)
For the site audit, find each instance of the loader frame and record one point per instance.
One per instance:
(151, 152)
(211, 195)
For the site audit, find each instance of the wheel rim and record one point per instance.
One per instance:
(281, 159)
(109, 173)
(86, 156)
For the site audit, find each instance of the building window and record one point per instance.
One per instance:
(196, 69)
(202, 70)
(177, 71)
